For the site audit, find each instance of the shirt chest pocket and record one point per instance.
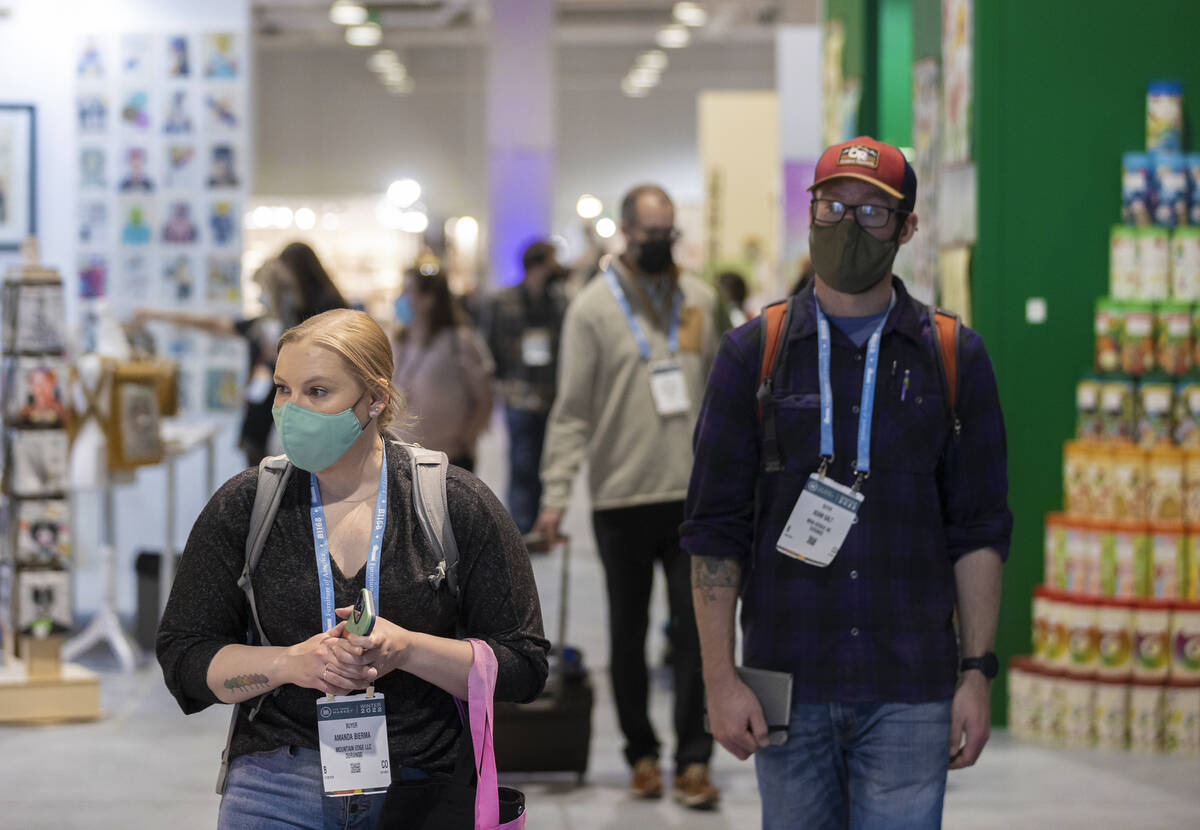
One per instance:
(798, 429)
(911, 426)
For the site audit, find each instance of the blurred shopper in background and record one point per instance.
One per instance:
(295, 286)
(523, 334)
(443, 368)
(731, 288)
(637, 344)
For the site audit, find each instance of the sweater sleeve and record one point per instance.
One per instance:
(207, 610)
(497, 592)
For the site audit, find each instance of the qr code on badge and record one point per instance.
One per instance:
(355, 769)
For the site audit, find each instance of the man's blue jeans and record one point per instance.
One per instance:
(857, 765)
(526, 432)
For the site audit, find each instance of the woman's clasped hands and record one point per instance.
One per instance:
(339, 663)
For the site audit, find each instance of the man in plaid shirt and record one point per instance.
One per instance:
(885, 696)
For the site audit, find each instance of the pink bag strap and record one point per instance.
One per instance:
(481, 688)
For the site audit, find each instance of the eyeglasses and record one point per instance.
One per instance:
(831, 211)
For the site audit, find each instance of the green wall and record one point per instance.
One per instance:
(860, 56)
(895, 33)
(1060, 94)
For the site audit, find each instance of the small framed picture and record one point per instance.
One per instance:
(222, 110)
(222, 167)
(43, 533)
(135, 171)
(224, 279)
(18, 186)
(93, 168)
(137, 52)
(93, 223)
(39, 462)
(180, 273)
(179, 226)
(93, 276)
(137, 221)
(224, 226)
(221, 391)
(179, 119)
(90, 63)
(179, 57)
(34, 316)
(36, 391)
(134, 422)
(92, 113)
(181, 170)
(222, 60)
(43, 601)
(135, 110)
(135, 279)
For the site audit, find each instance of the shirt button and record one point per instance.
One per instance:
(858, 357)
(853, 632)
(854, 409)
(920, 400)
(854, 574)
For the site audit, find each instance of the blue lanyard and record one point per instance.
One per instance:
(866, 409)
(321, 544)
(614, 285)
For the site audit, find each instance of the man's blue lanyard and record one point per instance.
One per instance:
(321, 544)
(866, 409)
(614, 285)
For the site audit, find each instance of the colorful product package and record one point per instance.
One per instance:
(1128, 475)
(1089, 421)
(1041, 625)
(1185, 642)
(1058, 612)
(1114, 633)
(1185, 261)
(1166, 561)
(1055, 555)
(1186, 419)
(1137, 338)
(1054, 707)
(1172, 195)
(1193, 163)
(1164, 115)
(1191, 487)
(1164, 491)
(1123, 559)
(1023, 720)
(1137, 192)
(1112, 714)
(1181, 719)
(1109, 321)
(1151, 631)
(1118, 409)
(1077, 482)
(1154, 262)
(1191, 566)
(1123, 273)
(1175, 337)
(1156, 399)
(1081, 712)
(1083, 638)
(1146, 716)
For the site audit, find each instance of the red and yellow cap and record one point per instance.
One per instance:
(871, 161)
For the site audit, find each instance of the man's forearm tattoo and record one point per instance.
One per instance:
(710, 573)
(246, 681)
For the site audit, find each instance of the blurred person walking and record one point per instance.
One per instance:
(295, 286)
(637, 344)
(524, 328)
(443, 368)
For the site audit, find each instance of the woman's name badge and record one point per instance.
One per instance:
(535, 347)
(668, 388)
(820, 521)
(354, 746)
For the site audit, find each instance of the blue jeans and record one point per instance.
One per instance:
(526, 432)
(857, 765)
(283, 788)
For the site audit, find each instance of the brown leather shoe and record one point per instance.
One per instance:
(694, 790)
(647, 779)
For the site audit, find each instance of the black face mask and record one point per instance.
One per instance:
(654, 256)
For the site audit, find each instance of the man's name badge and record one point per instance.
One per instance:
(535, 348)
(668, 388)
(354, 746)
(820, 521)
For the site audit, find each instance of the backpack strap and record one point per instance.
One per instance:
(946, 329)
(274, 473)
(776, 319)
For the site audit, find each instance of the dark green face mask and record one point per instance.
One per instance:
(848, 258)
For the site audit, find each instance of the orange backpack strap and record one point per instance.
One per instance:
(946, 330)
(776, 318)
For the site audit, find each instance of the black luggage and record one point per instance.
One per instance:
(554, 732)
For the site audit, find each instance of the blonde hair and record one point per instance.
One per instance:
(361, 344)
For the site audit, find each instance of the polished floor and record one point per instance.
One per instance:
(144, 765)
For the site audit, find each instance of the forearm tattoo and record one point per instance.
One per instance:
(710, 573)
(240, 682)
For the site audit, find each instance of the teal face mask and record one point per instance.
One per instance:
(315, 440)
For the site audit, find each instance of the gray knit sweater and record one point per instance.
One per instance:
(497, 597)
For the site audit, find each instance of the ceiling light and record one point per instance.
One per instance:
(632, 90)
(673, 37)
(588, 206)
(347, 13)
(306, 219)
(368, 34)
(413, 221)
(403, 192)
(394, 74)
(404, 86)
(643, 77)
(467, 230)
(330, 221)
(655, 59)
(690, 14)
(261, 216)
(281, 217)
(383, 60)
(606, 228)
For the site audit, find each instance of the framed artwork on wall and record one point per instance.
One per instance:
(18, 218)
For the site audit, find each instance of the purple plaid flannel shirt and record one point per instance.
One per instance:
(875, 625)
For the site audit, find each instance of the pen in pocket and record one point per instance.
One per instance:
(904, 386)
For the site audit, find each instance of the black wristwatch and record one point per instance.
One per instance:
(988, 664)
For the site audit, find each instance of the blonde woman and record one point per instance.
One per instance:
(334, 408)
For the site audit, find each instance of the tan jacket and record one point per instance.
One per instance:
(604, 410)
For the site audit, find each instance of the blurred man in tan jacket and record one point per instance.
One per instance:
(637, 344)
